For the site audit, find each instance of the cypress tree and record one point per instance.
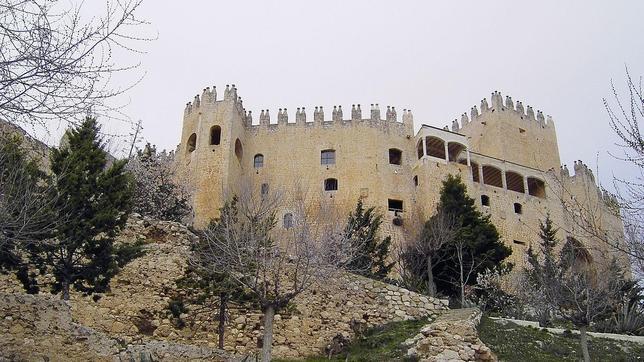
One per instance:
(476, 240)
(92, 205)
(371, 251)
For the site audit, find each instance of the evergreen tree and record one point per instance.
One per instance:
(543, 267)
(475, 246)
(371, 251)
(92, 205)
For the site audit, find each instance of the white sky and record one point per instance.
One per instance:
(436, 58)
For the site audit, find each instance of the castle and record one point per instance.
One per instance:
(506, 154)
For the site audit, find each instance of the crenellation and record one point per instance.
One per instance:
(509, 104)
(464, 120)
(264, 118)
(455, 127)
(282, 116)
(408, 117)
(484, 105)
(540, 119)
(520, 109)
(196, 102)
(530, 113)
(356, 113)
(497, 100)
(391, 115)
(318, 115)
(249, 118)
(227, 92)
(474, 112)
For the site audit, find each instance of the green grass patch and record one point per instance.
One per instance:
(378, 344)
(511, 342)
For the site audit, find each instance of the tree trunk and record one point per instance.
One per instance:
(462, 283)
(267, 341)
(223, 304)
(584, 343)
(64, 295)
(431, 285)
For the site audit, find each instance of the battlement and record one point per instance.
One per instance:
(209, 97)
(497, 104)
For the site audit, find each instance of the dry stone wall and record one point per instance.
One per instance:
(136, 312)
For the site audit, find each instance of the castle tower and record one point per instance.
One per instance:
(506, 131)
(210, 155)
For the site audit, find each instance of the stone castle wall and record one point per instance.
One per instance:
(135, 311)
(504, 152)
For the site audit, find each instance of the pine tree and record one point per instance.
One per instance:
(475, 247)
(92, 205)
(543, 270)
(371, 251)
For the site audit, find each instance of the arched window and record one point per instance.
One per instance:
(331, 184)
(485, 200)
(492, 176)
(456, 152)
(514, 181)
(215, 135)
(258, 160)
(518, 208)
(192, 142)
(288, 220)
(395, 156)
(536, 187)
(239, 150)
(419, 149)
(435, 147)
(327, 157)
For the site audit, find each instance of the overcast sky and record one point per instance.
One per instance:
(436, 58)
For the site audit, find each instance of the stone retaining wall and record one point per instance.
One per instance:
(136, 309)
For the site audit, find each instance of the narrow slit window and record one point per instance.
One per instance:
(258, 161)
(215, 135)
(288, 220)
(415, 180)
(264, 189)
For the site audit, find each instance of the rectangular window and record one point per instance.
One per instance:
(522, 243)
(327, 157)
(330, 184)
(395, 205)
(264, 189)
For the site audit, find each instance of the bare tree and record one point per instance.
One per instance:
(625, 116)
(419, 256)
(274, 264)
(157, 192)
(55, 65)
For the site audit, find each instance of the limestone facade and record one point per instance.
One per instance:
(506, 153)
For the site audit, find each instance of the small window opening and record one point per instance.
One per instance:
(518, 242)
(485, 200)
(395, 205)
(192, 142)
(215, 135)
(518, 208)
(264, 189)
(327, 157)
(331, 184)
(258, 161)
(521, 130)
(395, 156)
(288, 220)
(415, 180)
